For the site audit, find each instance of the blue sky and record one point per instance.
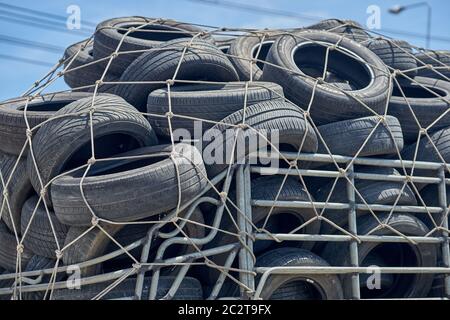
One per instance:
(16, 77)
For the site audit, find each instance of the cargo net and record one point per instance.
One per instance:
(353, 208)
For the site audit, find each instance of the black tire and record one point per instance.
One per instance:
(109, 34)
(396, 54)
(19, 189)
(8, 250)
(347, 137)
(370, 78)
(281, 220)
(268, 117)
(202, 61)
(430, 196)
(422, 104)
(298, 287)
(436, 59)
(373, 192)
(245, 48)
(40, 263)
(96, 243)
(406, 254)
(12, 122)
(40, 238)
(190, 289)
(134, 232)
(349, 28)
(118, 127)
(426, 151)
(208, 102)
(80, 54)
(128, 191)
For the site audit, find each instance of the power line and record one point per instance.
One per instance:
(28, 18)
(31, 44)
(42, 26)
(26, 60)
(41, 13)
(283, 13)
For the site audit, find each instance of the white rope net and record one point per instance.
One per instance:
(217, 194)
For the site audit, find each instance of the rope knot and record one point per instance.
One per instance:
(429, 66)
(99, 82)
(91, 161)
(114, 55)
(423, 131)
(306, 114)
(43, 192)
(170, 82)
(137, 266)
(320, 80)
(408, 178)
(293, 164)
(20, 248)
(5, 193)
(332, 47)
(94, 221)
(169, 114)
(342, 172)
(58, 254)
(243, 126)
(223, 196)
(29, 133)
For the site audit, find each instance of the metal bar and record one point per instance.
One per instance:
(444, 217)
(347, 270)
(344, 206)
(243, 253)
(249, 217)
(335, 174)
(353, 245)
(316, 157)
(344, 238)
(219, 283)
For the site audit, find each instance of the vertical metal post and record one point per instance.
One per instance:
(445, 243)
(244, 255)
(248, 214)
(354, 257)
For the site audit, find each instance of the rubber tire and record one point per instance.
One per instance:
(108, 37)
(208, 102)
(372, 191)
(19, 189)
(202, 61)
(349, 28)
(129, 194)
(270, 117)
(426, 152)
(430, 196)
(427, 110)
(64, 137)
(96, 243)
(337, 253)
(40, 263)
(134, 232)
(12, 122)
(80, 54)
(329, 104)
(396, 54)
(329, 284)
(40, 238)
(347, 137)
(443, 60)
(264, 188)
(8, 250)
(241, 52)
(190, 289)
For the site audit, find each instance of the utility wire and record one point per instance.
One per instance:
(31, 44)
(41, 13)
(283, 13)
(42, 26)
(26, 60)
(50, 23)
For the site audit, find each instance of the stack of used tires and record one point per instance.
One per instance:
(145, 130)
